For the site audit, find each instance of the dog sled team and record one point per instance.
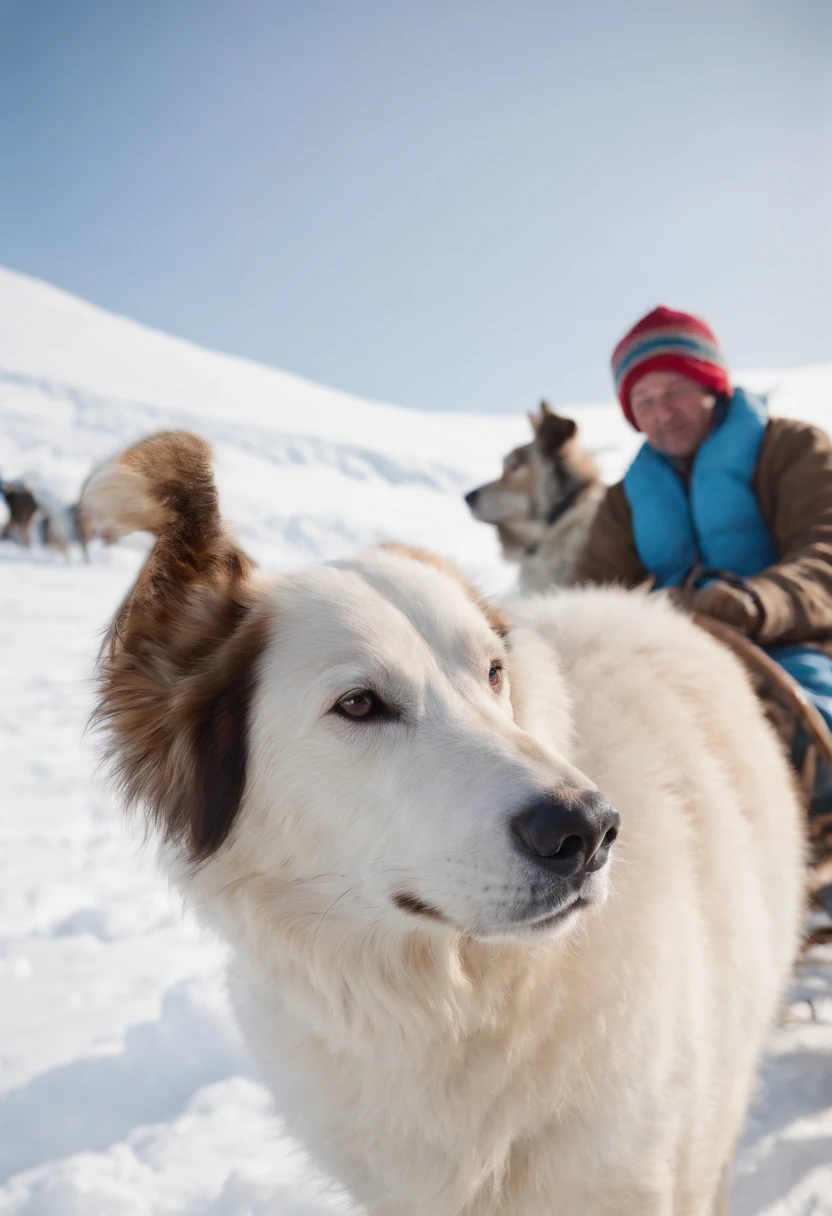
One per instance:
(513, 891)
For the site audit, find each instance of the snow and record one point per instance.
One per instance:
(124, 1089)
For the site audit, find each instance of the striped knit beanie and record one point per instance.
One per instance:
(668, 341)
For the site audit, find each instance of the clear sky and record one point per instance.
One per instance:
(445, 203)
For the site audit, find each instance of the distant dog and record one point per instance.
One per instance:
(544, 503)
(22, 507)
(383, 795)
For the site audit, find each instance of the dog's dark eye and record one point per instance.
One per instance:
(495, 676)
(360, 706)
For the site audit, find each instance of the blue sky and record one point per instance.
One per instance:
(443, 203)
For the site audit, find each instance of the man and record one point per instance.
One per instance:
(728, 508)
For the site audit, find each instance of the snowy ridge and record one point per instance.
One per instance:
(304, 471)
(124, 1090)
(59, 429)
(91, 419)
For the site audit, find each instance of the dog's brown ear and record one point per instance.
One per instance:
(179, 663)
(496, 619)
(554, 432)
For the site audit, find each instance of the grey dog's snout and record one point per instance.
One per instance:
(471, 498)
(569, 831)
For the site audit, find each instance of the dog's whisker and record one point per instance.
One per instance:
(343, 895)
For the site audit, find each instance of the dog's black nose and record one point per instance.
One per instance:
(471, 498)
(569, 831)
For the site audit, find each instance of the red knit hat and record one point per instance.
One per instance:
(668, 341)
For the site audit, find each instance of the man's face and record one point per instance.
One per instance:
(673, 412)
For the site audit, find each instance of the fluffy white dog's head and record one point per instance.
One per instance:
(347, 738)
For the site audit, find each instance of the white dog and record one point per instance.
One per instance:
(468, 997)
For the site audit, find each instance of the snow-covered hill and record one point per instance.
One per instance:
(123, 1089)
(305, 471)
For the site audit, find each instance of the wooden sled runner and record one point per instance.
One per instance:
(784, 689)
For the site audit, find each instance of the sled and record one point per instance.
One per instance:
(784, 689)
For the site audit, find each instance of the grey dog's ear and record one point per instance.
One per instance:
(537, 420)
(553, 432)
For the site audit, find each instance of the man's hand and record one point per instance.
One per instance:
(731, 604)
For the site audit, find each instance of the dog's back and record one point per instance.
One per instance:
(708, 883)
